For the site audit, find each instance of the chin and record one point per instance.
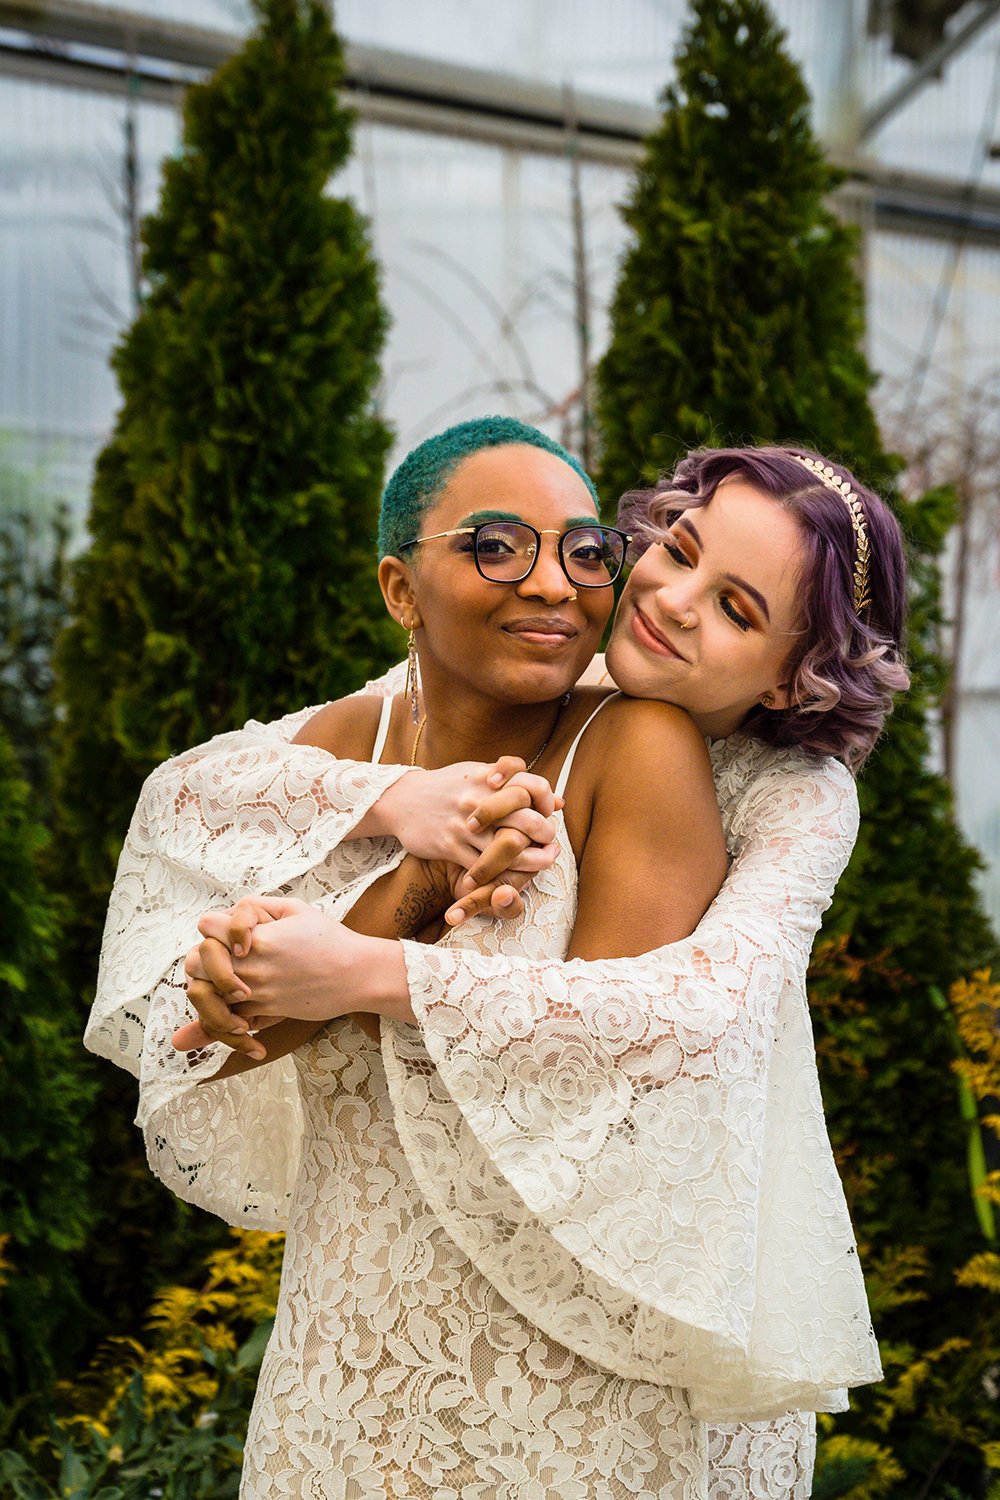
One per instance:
(532, 685)
(632, 672)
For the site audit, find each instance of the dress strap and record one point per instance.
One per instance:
(567, 764)
(383, 730)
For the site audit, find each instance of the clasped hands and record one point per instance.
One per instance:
(478, 832)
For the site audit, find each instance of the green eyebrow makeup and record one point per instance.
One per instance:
(478, 516)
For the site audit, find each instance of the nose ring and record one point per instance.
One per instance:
(572, 598)
(687, 626)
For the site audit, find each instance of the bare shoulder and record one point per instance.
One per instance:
(643, 768)
(346, 728)
(647, 733)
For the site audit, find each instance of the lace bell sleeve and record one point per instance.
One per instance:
(247, 812)
(633, 1151)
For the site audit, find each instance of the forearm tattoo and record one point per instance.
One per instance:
(416, 908)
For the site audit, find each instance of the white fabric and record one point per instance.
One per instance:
(592, 1108)
(246, 812)
(651, 1130)
(559, 789)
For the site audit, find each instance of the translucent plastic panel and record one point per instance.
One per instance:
(477, 250)
(65, 288)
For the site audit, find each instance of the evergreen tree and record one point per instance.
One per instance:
(737, 311)
(737, 318)
(45, 1087)
(231, 572)
(32, 612)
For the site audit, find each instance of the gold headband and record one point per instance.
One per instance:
(855, 510)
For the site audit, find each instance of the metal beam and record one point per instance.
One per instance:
(393, 88)
(914, 203)
(115, 30)
(415, 93)
(876, 115)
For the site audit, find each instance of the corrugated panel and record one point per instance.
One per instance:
(476, 246)
(63, 277)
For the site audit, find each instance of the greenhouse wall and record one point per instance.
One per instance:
(476, 242)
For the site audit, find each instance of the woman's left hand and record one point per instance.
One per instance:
(286, 974)
(297, 964)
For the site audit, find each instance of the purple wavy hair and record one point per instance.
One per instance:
(844, 669)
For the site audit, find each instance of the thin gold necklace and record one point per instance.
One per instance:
(534, 759)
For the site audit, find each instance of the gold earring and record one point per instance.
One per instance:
(411, 687)
(767, 700)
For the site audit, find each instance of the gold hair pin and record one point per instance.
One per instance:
(828, 476)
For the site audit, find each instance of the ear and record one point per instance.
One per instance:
(395, 579)
(780, 696)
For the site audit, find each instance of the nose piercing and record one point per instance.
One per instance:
(572, 598)
(688, 626)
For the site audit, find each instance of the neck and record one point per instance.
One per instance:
(458, 731)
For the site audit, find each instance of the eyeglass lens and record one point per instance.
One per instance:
(591, 555)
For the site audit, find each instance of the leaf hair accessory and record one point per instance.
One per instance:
(828, 476)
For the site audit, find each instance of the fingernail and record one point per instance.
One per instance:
(257, 1053)
(504, 898)
(239, 950)
(454, 916)
(496, 779)
(467, 883)
(473, 822)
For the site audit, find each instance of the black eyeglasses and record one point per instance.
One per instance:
(506, 551)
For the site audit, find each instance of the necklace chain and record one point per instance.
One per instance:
(534, 759)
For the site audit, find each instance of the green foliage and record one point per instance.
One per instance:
(737, 318)
(737, 313)
(166, 1415)
(45, 1086)
(33, 602)
(231, 571)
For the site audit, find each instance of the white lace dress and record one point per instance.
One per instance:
(580, 1233)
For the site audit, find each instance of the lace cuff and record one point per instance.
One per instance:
(246, 813)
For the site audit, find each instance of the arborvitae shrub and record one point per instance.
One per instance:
(45, 1088)
(231, 571)
(231, 568)
(737, 318)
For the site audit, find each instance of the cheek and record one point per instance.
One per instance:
(598, 609)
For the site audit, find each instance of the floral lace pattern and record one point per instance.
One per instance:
(395, 1368)
(475, 1301)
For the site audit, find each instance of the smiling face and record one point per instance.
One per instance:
(519, 643)
(729, 573)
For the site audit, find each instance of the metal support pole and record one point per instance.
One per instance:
(883, 109)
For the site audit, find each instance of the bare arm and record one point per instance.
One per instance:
(655, 854)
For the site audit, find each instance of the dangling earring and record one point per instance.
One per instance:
(412, 685)
(767, 700)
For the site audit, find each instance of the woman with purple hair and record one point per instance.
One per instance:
(628, 1152)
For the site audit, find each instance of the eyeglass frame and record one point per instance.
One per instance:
(474, 531)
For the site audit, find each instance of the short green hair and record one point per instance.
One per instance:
(425, 471)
